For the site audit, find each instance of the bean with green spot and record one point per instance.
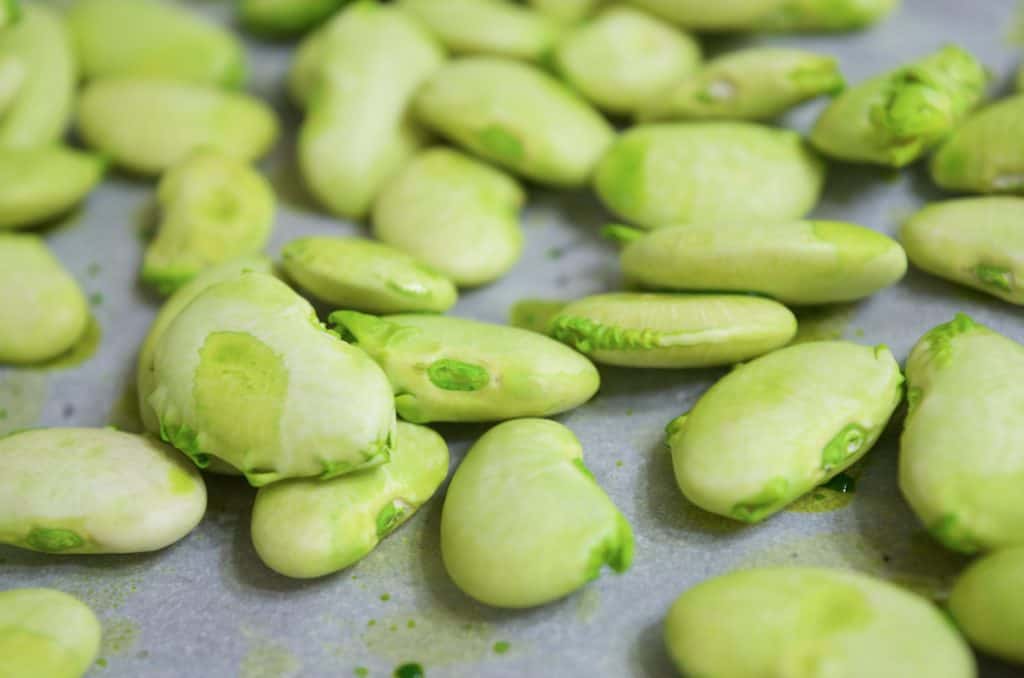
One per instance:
(215, 208)
(46, 633)
(453, 369)
(147, 126)
(80, 490)
(516, 116)
(750, 84)
(282, 18)
(566, 11)
(673, 330)
(624, 58)
(894, 118)
(803, 621)
(987, 603)
(524, 522)
(713, 172)
(41, 183)
(310, 528)
(986, 153)
(247, 374)
(796, 262)
(777, 427)
(366, 276)
(455, 214)
(961, 455)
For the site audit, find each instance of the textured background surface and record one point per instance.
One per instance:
(207, 607)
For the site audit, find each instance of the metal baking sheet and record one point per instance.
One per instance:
(207, 606)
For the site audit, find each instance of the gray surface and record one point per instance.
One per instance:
(207, 607)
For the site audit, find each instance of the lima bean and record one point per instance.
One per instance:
(455, 214)
(673, 330)
(986, 153)
(771, 15)
(517, 116)
(894, 118)
(148, 126)
(366, 276)
(713, 172)
(246, 373)
(46, 634)
(775, 428)
(453, 369)
(987, 603)
(310, 528)
(961, 453)
(285, 17)
(525, 522)
(796, 262)
(803, 621)
(80, 490)
(566, 11)
(43, 182)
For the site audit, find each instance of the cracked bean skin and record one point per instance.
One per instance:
(771, 15)
(43, 311)
(81, 490)
(46, 633)
(524, 521)
(215, 209)
(41, 183)
(516, 116)
(283, 18)
(710, 172)
(672, 330)
(978, 242)
(311, 528)
(961, 456)
(366, 276)
(455, 214)
(624, 58)
(153, 39)
(987, 603)
(147, 126)
(894, 118)
(749, 84)
(247, 374)
(775, 428)
(805, 621)
(454, 369)
(795, 262)
(986, 153)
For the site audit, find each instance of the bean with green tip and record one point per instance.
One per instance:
(46, 633)
(987, 603)
(986, 153)
(285, 17)
(525, 522)
(43, 182)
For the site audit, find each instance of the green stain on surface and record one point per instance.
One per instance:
(555, 252)
(82, 351)
(53, 540)
(410, 670)
(455, 375)
(96, 299)
(267, 659)
(385, 597)
(119, 636)
(822, 323)
(361, 671)
(101, 662)
(836, 494)
(501, 647)
(93, 270)
(440, 637)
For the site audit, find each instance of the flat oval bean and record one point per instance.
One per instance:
(517, 116)
(147, 126)
(40, 183)
(81, 490)
(566, 11)
(673, 330)
(803, 621)
(285, 17)
(46, 634)
(525, 522)
(246, 373)
(714, 172)
(365, 275)
(310, 528)
(748, 84)
(775, 428)
(42, 309)
(152, 39)
(978, 242)
(961, 462)
(624, 58)
(496, 27)
(987, 603)
(455, 214)
(357, 134)
(894, 118)
(771, 15)
(453, 369)
(796, 262)
(986, 153)
(215, 208)
(38, 114)
(724, 15)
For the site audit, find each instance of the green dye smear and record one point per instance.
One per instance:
(385, 597)
(125, 415)
(441, 637)
(836, 494)
(588, 603)
(95, 299)
(22, 396)
(822, 323)
(101, 662)
(618, 464)
(410, 670)
(555, 252)
(93, 270)
(119, 636)
(411, 624)
(266, 659)
(501, 647)
(82, 351)
(362, 671)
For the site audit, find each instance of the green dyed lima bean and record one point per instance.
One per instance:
(525, 522)
(310, 528)
(986, 153)
(43, 182)
(961, 458)
(771, 15)
(81, 490)
(987, 603)
(775, 428)
(46, 633)
(285, 17)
